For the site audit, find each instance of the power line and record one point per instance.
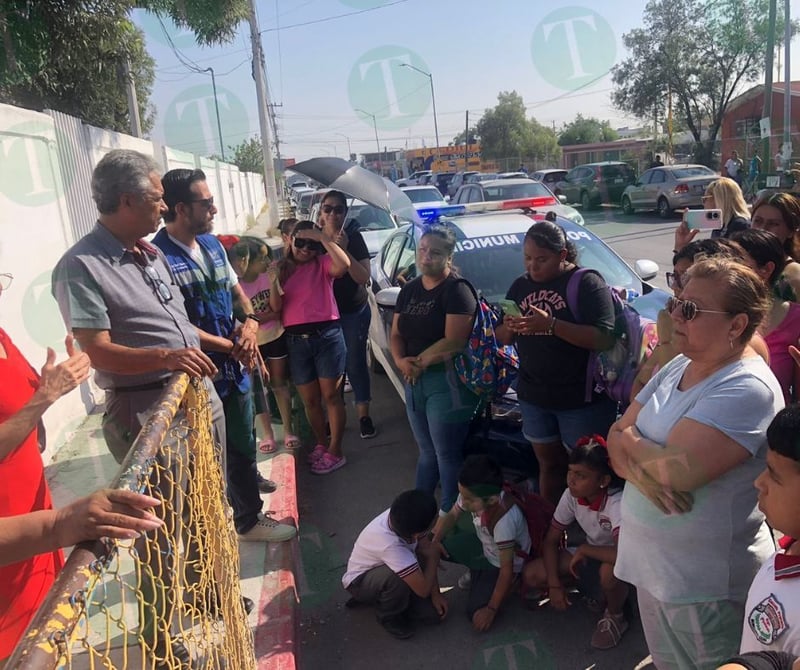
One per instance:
(334, 18)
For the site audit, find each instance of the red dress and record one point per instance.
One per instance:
(23, 488)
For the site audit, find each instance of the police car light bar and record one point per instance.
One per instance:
(431, 214)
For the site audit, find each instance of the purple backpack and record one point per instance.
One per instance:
(613, 371)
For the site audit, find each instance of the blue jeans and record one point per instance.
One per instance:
(355, 327)
(317, 356)
(439, 409)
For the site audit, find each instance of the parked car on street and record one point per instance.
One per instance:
(415, 178)
(489, 254)
(303, 207)
(375, 224)
(667, 188)
(479, 177)
(458, 180)
(424, 196)
(596, 183)
(510, 189)
(298, 191)
(549, 177)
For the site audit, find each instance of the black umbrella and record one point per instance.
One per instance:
(357, 182)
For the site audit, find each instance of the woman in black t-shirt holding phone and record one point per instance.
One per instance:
(554, 351)
(432, 322)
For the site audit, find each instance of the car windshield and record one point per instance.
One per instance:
(695, 171)
(511, 191)
(616, 171)
(423, 194)
(369, 218)
(492, 269)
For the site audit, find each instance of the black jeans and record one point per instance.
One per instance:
(391, 596)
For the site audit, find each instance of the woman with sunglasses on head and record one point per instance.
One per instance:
(779, 213)
(690, 445)
(314, 335)
(725, 195)
(351, 298)
(780, 329)
(554, 348)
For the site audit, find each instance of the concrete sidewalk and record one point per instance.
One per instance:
(267, 573)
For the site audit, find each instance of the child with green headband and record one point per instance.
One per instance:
(497, 560)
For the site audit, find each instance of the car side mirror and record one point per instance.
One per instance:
(387, 297)
(646, 269)
(562, 199)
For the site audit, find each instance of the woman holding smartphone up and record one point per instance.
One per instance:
(724, 195)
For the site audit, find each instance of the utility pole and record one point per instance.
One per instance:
(466, 143)
(133, 102)
(277, 142)
(262, 102)
(786, 148)
(216, 109)
(766, 113)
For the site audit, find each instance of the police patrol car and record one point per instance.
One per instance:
(489, 254)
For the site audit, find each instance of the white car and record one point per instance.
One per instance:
(415, 178)
(424, 196)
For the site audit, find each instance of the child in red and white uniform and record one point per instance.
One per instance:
(592, 498)
(772, 612)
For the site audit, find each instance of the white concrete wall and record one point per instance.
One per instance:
(46, 162)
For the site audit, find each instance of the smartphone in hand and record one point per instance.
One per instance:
(510, 308)
(704, 219)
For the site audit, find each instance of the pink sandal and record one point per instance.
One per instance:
(291, 442)
(267, 446)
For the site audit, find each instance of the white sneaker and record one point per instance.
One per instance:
(268, 530)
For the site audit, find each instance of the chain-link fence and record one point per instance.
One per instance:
(171, 597)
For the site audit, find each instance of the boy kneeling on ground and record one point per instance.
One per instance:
(497, 560)
(393, 565)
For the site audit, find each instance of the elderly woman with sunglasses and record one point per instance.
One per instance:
(314, 335)
(690, 445)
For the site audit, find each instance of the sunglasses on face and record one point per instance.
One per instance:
(689, 309)
(302, 243)
(208, 203)
(333, 209)
(674, 280)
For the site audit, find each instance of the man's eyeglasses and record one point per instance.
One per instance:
(689, 309)
(302, 243)
(208, 203)
(674, 280)
(334, 209)
(157, 284)
(5, 280)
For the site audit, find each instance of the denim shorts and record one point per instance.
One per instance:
(542, 426)
(319, 355)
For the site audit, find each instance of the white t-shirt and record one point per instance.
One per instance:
(713, 551)
(772, 613)
(197, 255)
(601, 525)
(511, 530)
(378, 545)
(732, 166)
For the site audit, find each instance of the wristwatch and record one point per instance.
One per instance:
(254, 317)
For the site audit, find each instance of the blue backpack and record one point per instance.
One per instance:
(486, 367)
(614, 370)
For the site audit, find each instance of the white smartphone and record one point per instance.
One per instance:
(703, 218)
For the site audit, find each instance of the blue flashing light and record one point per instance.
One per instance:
(431, 214)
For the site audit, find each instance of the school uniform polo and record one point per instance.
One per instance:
(379, 545)
(599, 520)
(772, 612)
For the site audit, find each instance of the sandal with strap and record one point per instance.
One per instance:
(268, 446)
(609, 631)
(291, 442)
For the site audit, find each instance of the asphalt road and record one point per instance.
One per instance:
(334, 509)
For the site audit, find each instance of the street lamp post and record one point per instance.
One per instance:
(375, 126)
(433, 99)
(349, 151)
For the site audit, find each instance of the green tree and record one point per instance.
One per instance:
(586, 130)
(247, 155)
(506, 132)
(459, 139)
(70, 56)
(702, 53)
